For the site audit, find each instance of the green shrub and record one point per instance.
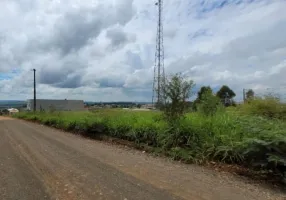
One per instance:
(267, 154)
(210, 104)
(176, 90)
(268, 106)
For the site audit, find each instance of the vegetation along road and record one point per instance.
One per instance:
(37, 162)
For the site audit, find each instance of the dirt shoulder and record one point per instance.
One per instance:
(16, 177)
(72, 167)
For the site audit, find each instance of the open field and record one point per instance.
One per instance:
(233, 137)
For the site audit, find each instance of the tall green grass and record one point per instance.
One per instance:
(232, 137)
(269, 106)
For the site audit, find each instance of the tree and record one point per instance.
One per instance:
(226, 94)
(201, 92)
(209, 103)
(177, 91)
(249, 94)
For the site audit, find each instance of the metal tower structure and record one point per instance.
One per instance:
(159, 71)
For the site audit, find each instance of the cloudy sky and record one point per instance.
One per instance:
(103, 50)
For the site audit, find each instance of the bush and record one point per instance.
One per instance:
(268, 106)
(267, 154)
(209, 104)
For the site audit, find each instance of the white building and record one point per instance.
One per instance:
(13, 110)
(61, 105)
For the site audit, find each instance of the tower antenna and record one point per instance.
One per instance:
(159, 71)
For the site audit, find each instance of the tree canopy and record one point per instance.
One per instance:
(177, 90)
(249, 94)
(225, 92)
(203, 90)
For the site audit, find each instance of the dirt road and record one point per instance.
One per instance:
(37, 162)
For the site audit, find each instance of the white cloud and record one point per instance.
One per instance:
(103, 50)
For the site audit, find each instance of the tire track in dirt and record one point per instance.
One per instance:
(15, 183)
(69, 174)
(72, 167)
(170, 176)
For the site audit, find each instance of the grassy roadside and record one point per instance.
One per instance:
(250, 141)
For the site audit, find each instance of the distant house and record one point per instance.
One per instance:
(60, 105)
(13, 110)
(147, 106)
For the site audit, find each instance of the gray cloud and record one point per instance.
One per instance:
(77, 27)
(110, 83)
(134, 60)
(118, 37)
(60, 54)
(74, 30)
(124, 11)
(63, 73)
(6, 55)
(105, 50)
(60, 79)
(71, 81)
(136, 94)
(243, 62)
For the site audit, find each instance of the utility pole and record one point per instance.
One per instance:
(34, 90)
(244, 98)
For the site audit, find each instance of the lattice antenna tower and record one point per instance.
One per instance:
(159, 71)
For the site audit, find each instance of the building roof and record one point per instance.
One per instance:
(13, 110)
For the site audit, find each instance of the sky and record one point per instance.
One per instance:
(104, 50)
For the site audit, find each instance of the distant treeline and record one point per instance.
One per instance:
(12, 104)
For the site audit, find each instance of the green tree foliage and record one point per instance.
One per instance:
(268, 106)
(249, 94)
(201, 92)
(177, 90)
(226, 94)
(209, 103)
(204, 90)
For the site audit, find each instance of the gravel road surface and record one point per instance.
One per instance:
(38, 162)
